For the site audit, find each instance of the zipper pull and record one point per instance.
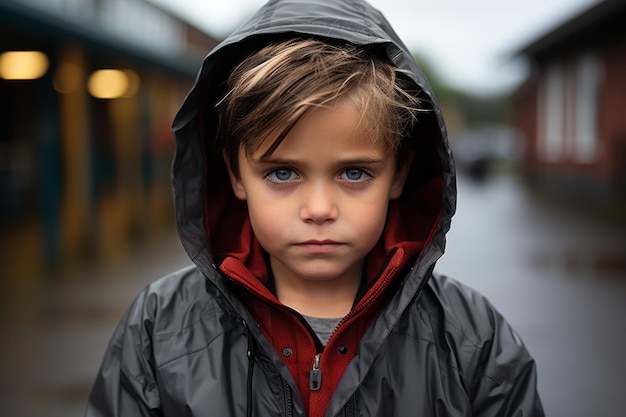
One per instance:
(315, 376)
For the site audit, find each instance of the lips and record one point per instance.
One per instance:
(320, 247)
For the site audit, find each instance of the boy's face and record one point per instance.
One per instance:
(318, 204)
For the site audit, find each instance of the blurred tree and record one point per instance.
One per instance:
(461, 108)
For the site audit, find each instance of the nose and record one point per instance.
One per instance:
(319, 203)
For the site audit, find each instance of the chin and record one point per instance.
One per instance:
(322, 274)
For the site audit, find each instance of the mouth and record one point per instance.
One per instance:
(319, 246)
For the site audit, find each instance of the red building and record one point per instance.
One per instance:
(572, 108)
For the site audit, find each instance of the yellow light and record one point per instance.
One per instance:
(108, 83)
(23, 65)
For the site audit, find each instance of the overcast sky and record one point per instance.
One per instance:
(466, 41)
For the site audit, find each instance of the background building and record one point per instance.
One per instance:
(88, 91)
(571, 109)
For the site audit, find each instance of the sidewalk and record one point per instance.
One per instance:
(58, 328)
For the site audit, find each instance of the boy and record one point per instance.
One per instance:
(313, 187)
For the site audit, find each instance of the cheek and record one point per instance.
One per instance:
(266, 217)
(369, 221)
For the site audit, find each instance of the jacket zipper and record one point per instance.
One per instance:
(315, 375)
(251, 353)
(288, 400)
(364, 303)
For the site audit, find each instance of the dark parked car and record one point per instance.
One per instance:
(478, 151)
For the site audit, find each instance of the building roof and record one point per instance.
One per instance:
(603, 19)
(98, 33)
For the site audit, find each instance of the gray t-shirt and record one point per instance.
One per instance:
(323, 328)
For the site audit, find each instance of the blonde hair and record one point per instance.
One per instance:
(269, 91)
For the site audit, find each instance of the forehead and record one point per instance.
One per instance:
(337, 127)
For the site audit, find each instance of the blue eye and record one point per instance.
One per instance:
(354, 174)
(281, 174)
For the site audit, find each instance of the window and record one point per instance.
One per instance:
(551, 114)
(587, 83)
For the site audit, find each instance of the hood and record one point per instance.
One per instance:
(211, 221)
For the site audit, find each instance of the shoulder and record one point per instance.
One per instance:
(498, 371)
(456, 318)
(179, 299)
(482, 341)
(175, 314)
(186, 285)
(468, 315)
(168, 296)
(461, 307)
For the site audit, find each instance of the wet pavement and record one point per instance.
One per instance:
(55, 330)
(556, 271)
